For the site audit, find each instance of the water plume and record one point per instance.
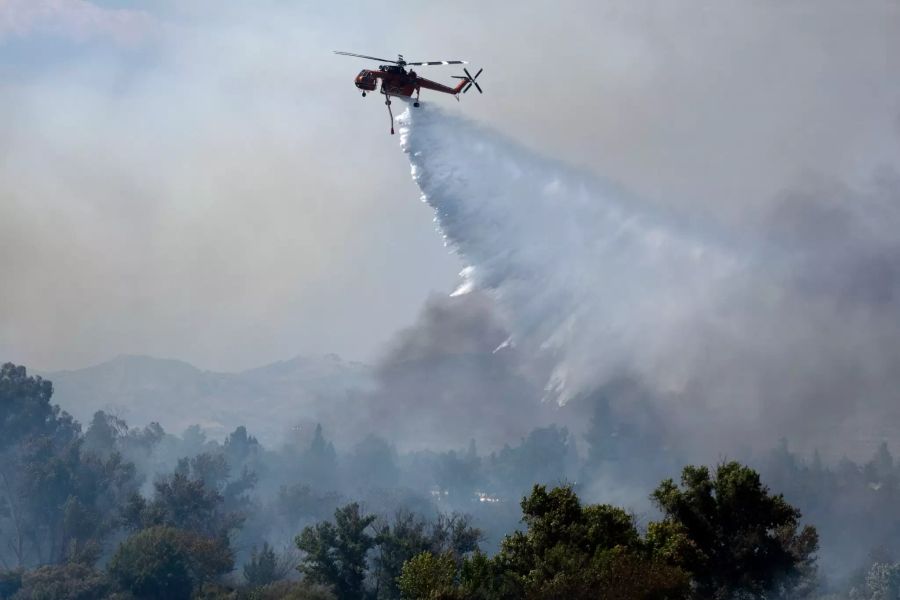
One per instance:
(785, 328)
(583, 272)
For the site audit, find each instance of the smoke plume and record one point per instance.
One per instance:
(785, 327)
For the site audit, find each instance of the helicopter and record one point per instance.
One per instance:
(397, 81)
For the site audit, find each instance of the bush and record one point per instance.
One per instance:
(71, 581)
(291, 590)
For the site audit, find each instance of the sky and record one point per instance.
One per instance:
(200, 180)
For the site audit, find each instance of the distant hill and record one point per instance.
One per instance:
(269, 400)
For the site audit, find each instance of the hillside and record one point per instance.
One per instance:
(269, 400)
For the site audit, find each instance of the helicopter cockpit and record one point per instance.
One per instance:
(366, 80)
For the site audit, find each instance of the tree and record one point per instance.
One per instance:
(543, 457)
(319, 461)
(240, 447)
(262, 568)
(625, 429)
(298, 502)
(397, 543)
(189, 499)
(732, 535)
(103, 435)
(58, 502)
(458, 474)
(454, 534)
(168, 563)
(373, 463)
(575, 551)
(428, 576)
(25, 408)
(335, 553)
(567, 551)
(31, 431)
(410, 535)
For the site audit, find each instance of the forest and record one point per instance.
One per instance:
(110, 510)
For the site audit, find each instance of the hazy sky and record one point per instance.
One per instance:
(201, 180)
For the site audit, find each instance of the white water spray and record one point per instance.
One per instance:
(580, 271)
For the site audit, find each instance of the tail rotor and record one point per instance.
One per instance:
(471, 80)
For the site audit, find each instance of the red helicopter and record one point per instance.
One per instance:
(397, 81)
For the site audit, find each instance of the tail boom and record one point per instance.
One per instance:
(433, 85)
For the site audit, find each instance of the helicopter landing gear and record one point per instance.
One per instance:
(416, 104)
(364, 95)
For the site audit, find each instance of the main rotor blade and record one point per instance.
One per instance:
(439, 62)
(369, 57)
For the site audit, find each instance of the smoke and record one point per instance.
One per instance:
(747, 335)
(76, 20)
(449, 378)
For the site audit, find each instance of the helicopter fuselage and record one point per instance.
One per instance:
(397, 81)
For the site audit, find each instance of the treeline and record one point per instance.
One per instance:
(116, 512)
(722, 535)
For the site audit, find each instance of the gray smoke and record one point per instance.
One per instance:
(449, 378)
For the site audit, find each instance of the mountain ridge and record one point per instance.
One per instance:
(267, 399)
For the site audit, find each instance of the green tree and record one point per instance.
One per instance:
(397, 543)
(335, 553)
(567, 551)
(25, 408)
(167, 563)
(575, 551)
(409, 535)
(428, 576)
(732, 535)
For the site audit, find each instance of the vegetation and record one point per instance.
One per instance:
(732, 535)
(336, 553)
(116, 512)
(567, 551)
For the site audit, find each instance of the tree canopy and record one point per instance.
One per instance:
(732, 534)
